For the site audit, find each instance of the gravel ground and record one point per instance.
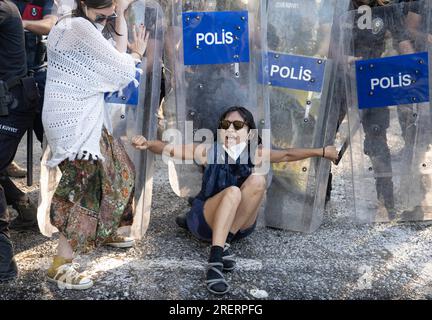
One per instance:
(340, 260)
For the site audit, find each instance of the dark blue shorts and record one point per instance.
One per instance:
(198, 226)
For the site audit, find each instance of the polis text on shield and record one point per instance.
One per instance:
(293, 73)
(403, 80)
(214, 38)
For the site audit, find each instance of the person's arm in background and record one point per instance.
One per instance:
(399, 31)
(324, 45)
(121, 39)
(49, 19)
(405, 47)
(326, 19)
(413, 23)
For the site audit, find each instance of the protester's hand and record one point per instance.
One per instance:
(330, 153)
(139, 40)
(351, 59)
(122, 5)
(429, 38)
(140, 143)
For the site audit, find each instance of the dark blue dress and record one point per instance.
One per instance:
(220, 173)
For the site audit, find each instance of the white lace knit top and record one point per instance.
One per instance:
(82, 66)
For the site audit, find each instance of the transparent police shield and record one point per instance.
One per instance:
(129, 113)
(389, 113)
(216, 53)
(302, 89)
(167, 109)
(136, 114)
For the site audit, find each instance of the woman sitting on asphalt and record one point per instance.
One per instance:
(227, 207)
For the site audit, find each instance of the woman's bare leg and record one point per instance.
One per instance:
(220, 211)
(64, 249)
(252, 193)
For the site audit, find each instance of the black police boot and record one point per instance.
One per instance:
(8, 267)
(391, 212)
(181, 221)
(190, 200)
(27, 216)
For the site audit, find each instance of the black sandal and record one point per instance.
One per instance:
(213, 266)
(229, 263)
(181, 221)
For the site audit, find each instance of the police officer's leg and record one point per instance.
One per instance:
(12, 129)
(27, 211)
(8, 267)
(40, 77)
(381, 163)
(12, 192)
(4, 216)
(375, 146)
(407, 120)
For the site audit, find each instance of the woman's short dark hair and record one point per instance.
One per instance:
(245, 114)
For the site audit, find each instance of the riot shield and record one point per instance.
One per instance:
(127, 113)
(167, 108)
(389, 114)
(138, 113)
(217, 49)
(302, 89)
(428, 9)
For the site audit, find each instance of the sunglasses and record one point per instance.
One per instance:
(101, 17)
(238, 125)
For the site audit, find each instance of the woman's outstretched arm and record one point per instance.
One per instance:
(197, 152)
(295, 154)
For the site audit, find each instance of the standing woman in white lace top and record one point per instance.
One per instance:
(94, 196)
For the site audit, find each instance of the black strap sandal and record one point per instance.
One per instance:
(229, 263)
(220, 280)
(181, 221)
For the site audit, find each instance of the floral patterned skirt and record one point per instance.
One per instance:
(94, 198)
